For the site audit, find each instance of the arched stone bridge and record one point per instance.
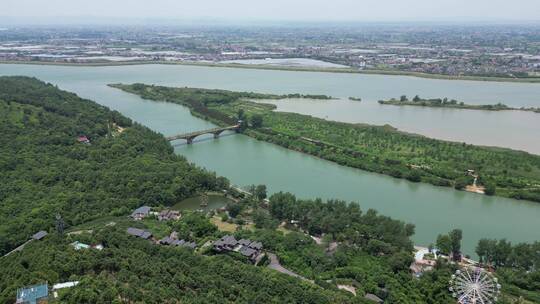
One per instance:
(189, 137)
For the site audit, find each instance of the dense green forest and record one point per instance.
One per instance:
(381, 149)
(131, 270)
(46, 170)
(450, 103)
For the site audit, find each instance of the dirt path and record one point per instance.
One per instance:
(274, 264)
(21, 247)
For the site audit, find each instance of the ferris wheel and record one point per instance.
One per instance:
(474, 286)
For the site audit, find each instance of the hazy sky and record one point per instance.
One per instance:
(333, 10)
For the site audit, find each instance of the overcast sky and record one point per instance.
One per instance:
(301, 10)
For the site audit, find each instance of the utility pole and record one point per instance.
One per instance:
(59, 224)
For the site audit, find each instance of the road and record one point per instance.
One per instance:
(274, 264)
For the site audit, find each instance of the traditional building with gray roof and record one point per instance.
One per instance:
(140, 213)
(144, 234)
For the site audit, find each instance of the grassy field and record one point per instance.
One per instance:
(228, 227)
(223, 226)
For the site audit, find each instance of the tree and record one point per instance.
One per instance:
(413, 176)
(400, 261)
(490, 189)
(256, 121)
(444, 244)
(461, 183)
(403, 98)
(455, 239)
(240, 115)
(260, 192)
(502, 252)
(280, 205)
(482, 249)
(234, 209)
(416, 98)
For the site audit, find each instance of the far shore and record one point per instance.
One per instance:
(282, 68)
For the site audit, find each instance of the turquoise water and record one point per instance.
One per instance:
(246, 161)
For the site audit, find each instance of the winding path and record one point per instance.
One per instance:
(274, 264)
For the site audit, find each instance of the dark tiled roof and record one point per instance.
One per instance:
(141, 210)
(39, 235)
(183, 243)
(229, 240)
(191, 245)
(139, 233)
(134, 231)
(166, 240)
(178, 242)
(244, 242)
(256, 245)
(246, 251)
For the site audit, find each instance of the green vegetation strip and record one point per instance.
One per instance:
(381, 149)
(453, 104)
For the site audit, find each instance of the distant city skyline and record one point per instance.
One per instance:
(102, 11)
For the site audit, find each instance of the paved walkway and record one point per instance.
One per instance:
(21, 247)
(274, 264)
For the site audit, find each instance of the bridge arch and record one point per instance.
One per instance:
(189, 137)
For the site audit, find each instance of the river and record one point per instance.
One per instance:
(246, 161)
(511, 129)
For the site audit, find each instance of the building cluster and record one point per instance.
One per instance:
(424, 260)
(169, 215)
(164, 215)
(247, 248)
(171, 240)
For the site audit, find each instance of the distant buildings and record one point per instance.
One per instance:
(247, 248)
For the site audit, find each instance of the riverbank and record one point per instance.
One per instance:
(453, 104)
(380, 149)
(282, 68)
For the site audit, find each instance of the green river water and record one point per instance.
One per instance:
(246, 161)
